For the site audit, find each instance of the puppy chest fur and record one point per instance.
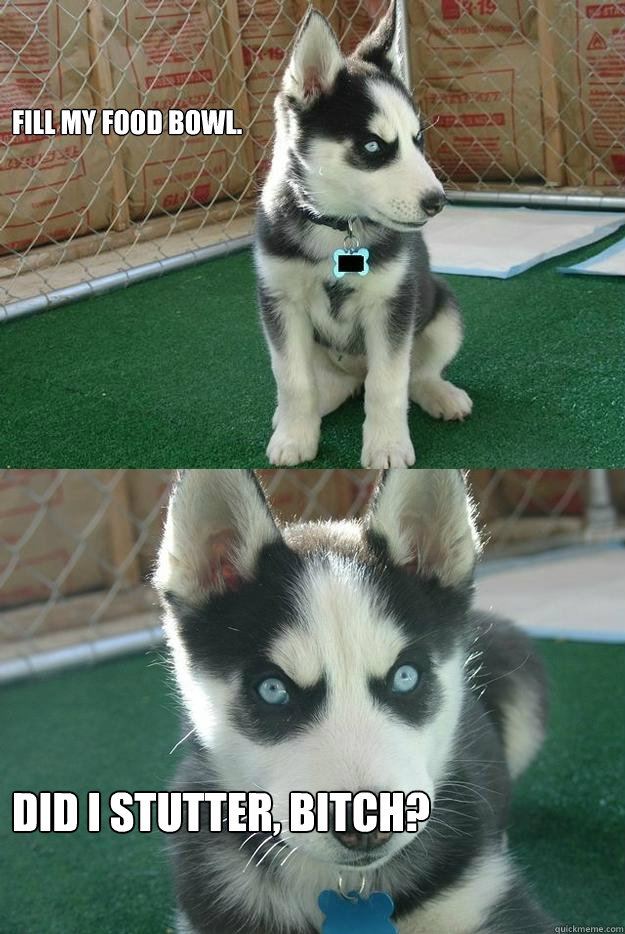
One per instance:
(339, 310)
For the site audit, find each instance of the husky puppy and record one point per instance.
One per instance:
(349, 147)
(345, 656)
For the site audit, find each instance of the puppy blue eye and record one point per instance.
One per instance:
(273, 691)
(372, 146)
(405, 679)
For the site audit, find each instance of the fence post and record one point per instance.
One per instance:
(600, 511)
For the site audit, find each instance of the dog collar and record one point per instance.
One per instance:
(336, 223)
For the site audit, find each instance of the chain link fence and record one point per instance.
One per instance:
(524, 99)
(77, 546)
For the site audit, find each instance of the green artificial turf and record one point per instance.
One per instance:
(174, 372)
(112, 727)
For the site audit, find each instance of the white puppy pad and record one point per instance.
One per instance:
(502, 242)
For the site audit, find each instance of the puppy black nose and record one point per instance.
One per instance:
(433, 202)
(352, 839)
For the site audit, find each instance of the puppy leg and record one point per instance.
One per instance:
(333, 384)
(432, 350)
(385, 438)
(296, 421)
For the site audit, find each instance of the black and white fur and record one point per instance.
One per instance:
(395, 329)
(332, 609)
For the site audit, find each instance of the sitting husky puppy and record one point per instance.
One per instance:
(345, 656)
(349, 151)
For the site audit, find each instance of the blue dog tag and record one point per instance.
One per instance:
(353, 914)
(351, 261)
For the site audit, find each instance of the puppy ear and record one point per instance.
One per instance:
(217, 522)
(381, 47)
(427, 520)
(315, 61)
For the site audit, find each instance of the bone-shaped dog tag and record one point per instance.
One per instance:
(353, 914)
(351, 261)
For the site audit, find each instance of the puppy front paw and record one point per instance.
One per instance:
(380, 449)
(293, 442)
(441, 399)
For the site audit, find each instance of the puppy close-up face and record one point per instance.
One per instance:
(321, 657)
(356, 138)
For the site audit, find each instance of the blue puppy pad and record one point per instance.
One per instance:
(610, 262)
